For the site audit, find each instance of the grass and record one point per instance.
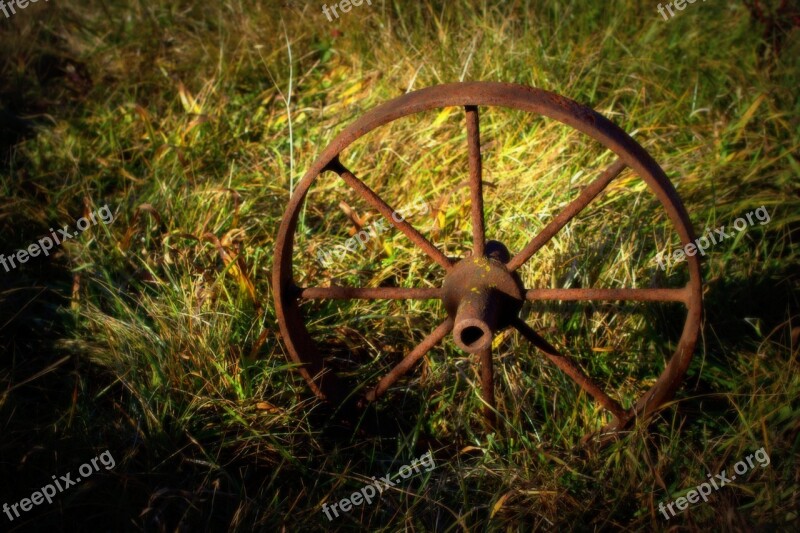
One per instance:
(155, 337)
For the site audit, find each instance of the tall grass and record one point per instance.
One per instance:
(156, 337)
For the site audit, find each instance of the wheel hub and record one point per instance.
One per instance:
(482, 297)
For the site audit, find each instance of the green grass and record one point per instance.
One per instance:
(155, 337)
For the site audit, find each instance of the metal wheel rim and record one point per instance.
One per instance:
(297, 340)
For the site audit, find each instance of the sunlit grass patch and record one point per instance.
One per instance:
(198, 122)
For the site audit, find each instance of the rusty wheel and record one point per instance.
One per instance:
(482, 293)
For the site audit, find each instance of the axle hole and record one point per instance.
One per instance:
(471, 335)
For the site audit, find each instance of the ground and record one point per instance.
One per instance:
(144, 351)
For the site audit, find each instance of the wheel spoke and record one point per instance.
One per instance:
(410, 360)
(570, 368)
(377, 202)
(562, 219)
(475, 181)
(634, 295)
(369, 293)
(487, 386)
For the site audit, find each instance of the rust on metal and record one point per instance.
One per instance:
(487, 386)
(377, 202)
(483, 297)
(369, 293)
(408, 362)
(475, 181)
(633, 295)
(482, 293)
(569, 212)
(570, 368)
